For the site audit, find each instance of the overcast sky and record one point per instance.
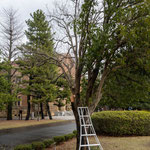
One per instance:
(25, 7)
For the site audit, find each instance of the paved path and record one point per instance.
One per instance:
(12, 137)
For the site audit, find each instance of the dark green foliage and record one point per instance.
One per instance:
(63, 92)
(75, 132)
(128, 87)
(38, 32)
(6, 95)
(69, 136)
(59, 139)
(24, 147)
(121, 123)
(38, 146)
(48, 142)
(41, 74)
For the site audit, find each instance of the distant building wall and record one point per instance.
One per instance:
(22, 104)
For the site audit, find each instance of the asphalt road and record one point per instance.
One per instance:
(12, 137)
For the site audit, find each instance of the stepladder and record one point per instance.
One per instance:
(88, 137)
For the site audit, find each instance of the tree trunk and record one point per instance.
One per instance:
(28, 107)
(49, 111)
(98, 92)
(10, 103)
(9, 111)
(83, 140)
(77, 125)
(42, 114)
(78, 129)
(38, 116)
(78, 133)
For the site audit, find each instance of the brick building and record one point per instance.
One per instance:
(22, 104)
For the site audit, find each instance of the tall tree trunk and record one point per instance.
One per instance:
(38, 116)
(28, 107)
(83, 140)
(9, 106)
(49, 111)
(78, 129)
(42, 114)
(9, 111)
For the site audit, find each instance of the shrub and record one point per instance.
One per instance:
(119, 123)
(75, 132)
(48, 142)
(23, 147)
(69, 136)
(59, 139)
(72, 135)
(38, 146)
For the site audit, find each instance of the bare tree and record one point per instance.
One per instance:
(91, 32)
(11, 35)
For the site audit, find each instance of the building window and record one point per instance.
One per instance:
(18, 103)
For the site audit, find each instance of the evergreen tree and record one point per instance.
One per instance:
(11, 30)
(39, 33)
(39, 72)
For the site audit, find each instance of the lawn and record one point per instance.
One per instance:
(113, 143)
(22, 123)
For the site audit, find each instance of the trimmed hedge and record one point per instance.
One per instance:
(46, 143)
(38, 146)
(120, 123)
(59, 139)
(69, 136)
(75, 132)
(23, 147)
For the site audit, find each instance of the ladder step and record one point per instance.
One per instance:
(81, 116)
(88, 135)
(90, 145)
(82, 107)
(86, 125)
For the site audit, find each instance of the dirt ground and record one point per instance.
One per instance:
(112, 143)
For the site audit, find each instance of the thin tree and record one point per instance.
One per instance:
(11, 35)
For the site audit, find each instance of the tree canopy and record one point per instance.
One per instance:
(101, 37)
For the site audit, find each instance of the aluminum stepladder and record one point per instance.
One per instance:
(87, 130)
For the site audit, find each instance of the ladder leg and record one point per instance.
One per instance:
(80, 132)
(87, 129)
